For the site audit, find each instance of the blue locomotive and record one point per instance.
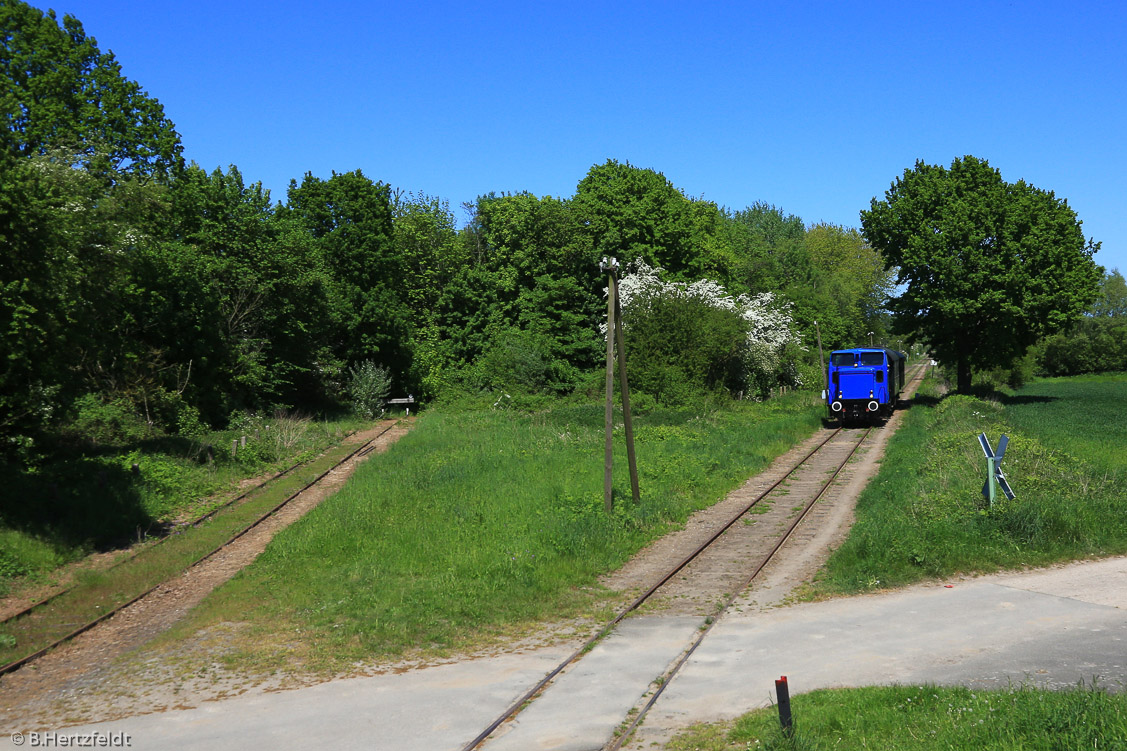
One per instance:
(864, 383)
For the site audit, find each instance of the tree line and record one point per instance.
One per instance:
(133, 278)
(135, 281)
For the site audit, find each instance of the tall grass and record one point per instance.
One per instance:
(475, 522)
(924, 515)
(928, 718)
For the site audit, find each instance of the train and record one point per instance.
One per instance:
(864, 384)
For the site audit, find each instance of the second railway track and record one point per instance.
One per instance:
(44, 645)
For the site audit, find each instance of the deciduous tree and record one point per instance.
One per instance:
(58, 91)
(987, 267)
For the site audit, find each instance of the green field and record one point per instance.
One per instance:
(924, 515)
(1085, 416)
(477, 524)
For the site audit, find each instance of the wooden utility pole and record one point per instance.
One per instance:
(614, 336)
(822, 359)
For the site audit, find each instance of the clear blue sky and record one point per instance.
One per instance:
(815, 108)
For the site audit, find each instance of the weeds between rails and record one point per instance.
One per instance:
(361, 450)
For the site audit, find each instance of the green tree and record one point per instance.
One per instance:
(1098, 343)
(987, 267)
(632, 213)
(58, 91)
(767, 246)
(349, 218)
(1112, 300)
(851, 282)
(32, 313)
(257, 303)
(530, 293)
(426, 238)
(546, 273)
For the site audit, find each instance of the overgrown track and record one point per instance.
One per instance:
(824, 462)
(147, 548)
(360, 451)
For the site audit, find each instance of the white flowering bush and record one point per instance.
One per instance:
(685, 336)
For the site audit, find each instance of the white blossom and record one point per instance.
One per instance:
(770, 327)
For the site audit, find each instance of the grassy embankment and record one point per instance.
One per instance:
(94, 591)
(87, 499)
(479, 524)
(924, 516)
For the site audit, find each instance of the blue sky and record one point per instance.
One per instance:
(815, 108)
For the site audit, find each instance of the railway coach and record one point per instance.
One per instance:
(864, 383)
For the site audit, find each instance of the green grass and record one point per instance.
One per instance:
(97, 592)
(927, 718)
(479, 523)
(1085, 416)
(87, 499)
(923, 516)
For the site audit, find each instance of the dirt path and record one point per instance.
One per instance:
(52, 690)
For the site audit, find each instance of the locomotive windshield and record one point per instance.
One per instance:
(842, 358)
(872, 358)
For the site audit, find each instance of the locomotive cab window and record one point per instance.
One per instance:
(842, 358)
(872, 358)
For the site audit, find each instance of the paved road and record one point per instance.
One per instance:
(1053, 628)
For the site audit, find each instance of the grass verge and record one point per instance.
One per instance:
(97, 592)
(927, 718)
(478, 524)
(924, 516)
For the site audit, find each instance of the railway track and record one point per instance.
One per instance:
(360, 451)
(732, 557)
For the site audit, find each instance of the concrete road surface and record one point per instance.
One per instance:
(1052, 627)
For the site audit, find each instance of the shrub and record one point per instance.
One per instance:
(111, 421)
(518, 360)
(684, 339)
(369, 386)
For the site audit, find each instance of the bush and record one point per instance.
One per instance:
(111, 421)
(1097, 345)
(521, 361)
(369, 386)
(689, 339)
